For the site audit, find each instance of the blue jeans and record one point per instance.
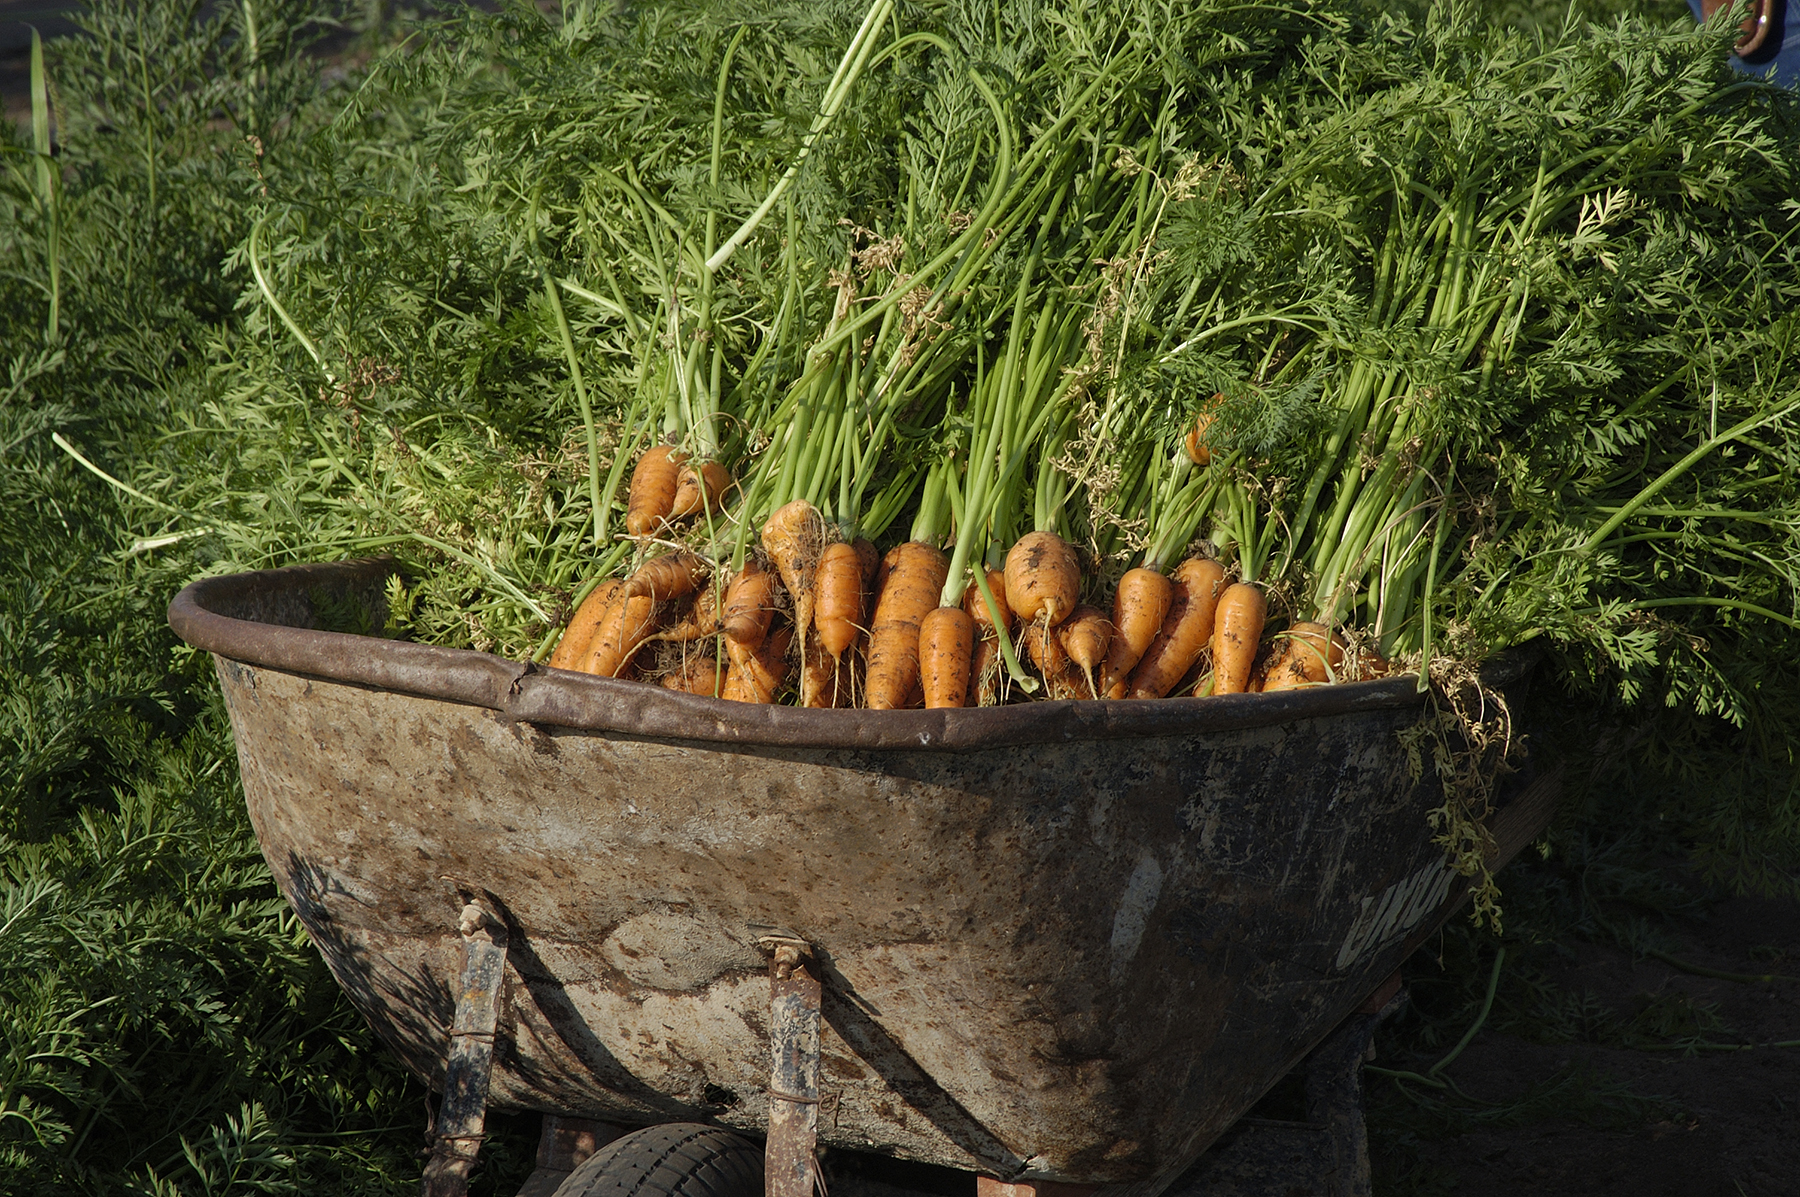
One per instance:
(1778, 60)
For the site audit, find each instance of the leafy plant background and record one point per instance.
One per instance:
(165, 1028)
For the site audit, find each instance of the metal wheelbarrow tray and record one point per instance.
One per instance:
(1064, 941)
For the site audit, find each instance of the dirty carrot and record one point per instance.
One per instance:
(1140, 605)
(700, 490)
(1310, 654)
(869, 558)
(695, 675)
(1062, 679)
(1085, 636)
(916, 573)
(749, 605)
(1237, 630)
(667, 577)
(757, 673)
(977, 607)
(1045, 649)
(628, 622)
(1043, 578)
(838, 598)
(946, 647)
(818, 673)
(579, 634)
(652, 493)
(701, 618)
(793, 537)
(1185, 631)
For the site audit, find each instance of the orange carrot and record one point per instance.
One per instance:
(793, 537)
(1140, 605)
(749, 605)
(1069, 683)
(1302, 660)
(700, 490)
(946, 645)
(579, 633)
(878, 582)
(694, 675)
(1043, 577)
(667, 577)
(1371, 664)
(700, 619)
(652, 493)
(1237, 630)
(1198, 451)
(838, 602)
(1183, 636)
(1046, 651)
(984, 674)
(869, 557)
(756, 674)
(916, 573)
(977, 606)
(850, 681)
(1085, 636)
(818, 673)
(629, 621)
(1062, 679)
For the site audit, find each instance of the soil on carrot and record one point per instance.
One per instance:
(1603, 1069)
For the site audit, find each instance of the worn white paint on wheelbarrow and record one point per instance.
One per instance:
(1142, 889)
(1388, 917)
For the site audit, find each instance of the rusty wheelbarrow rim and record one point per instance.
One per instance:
(559, 698)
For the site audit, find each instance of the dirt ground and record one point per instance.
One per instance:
(1630, 1111)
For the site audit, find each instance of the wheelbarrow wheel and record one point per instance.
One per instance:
(680, 1159)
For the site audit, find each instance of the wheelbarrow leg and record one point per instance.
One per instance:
(1328, 1154)
(463, 1113)
(1334, 1088)
(789, 1160)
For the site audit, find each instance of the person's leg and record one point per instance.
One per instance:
(1775, 54)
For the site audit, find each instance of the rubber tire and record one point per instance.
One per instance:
(678, 1159)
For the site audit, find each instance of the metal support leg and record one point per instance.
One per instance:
(1334, 1096)
(789, 1161)
(1328, 1154)
(463, 1113)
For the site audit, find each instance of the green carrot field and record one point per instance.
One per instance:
(284, 284)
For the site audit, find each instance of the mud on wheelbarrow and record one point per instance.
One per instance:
(1053, 943)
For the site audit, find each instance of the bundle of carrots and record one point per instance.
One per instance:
(1174, 404)
(859, 629)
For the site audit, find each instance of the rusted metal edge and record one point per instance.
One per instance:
(560, 698)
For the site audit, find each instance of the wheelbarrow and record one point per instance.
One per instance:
(1052, 944)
